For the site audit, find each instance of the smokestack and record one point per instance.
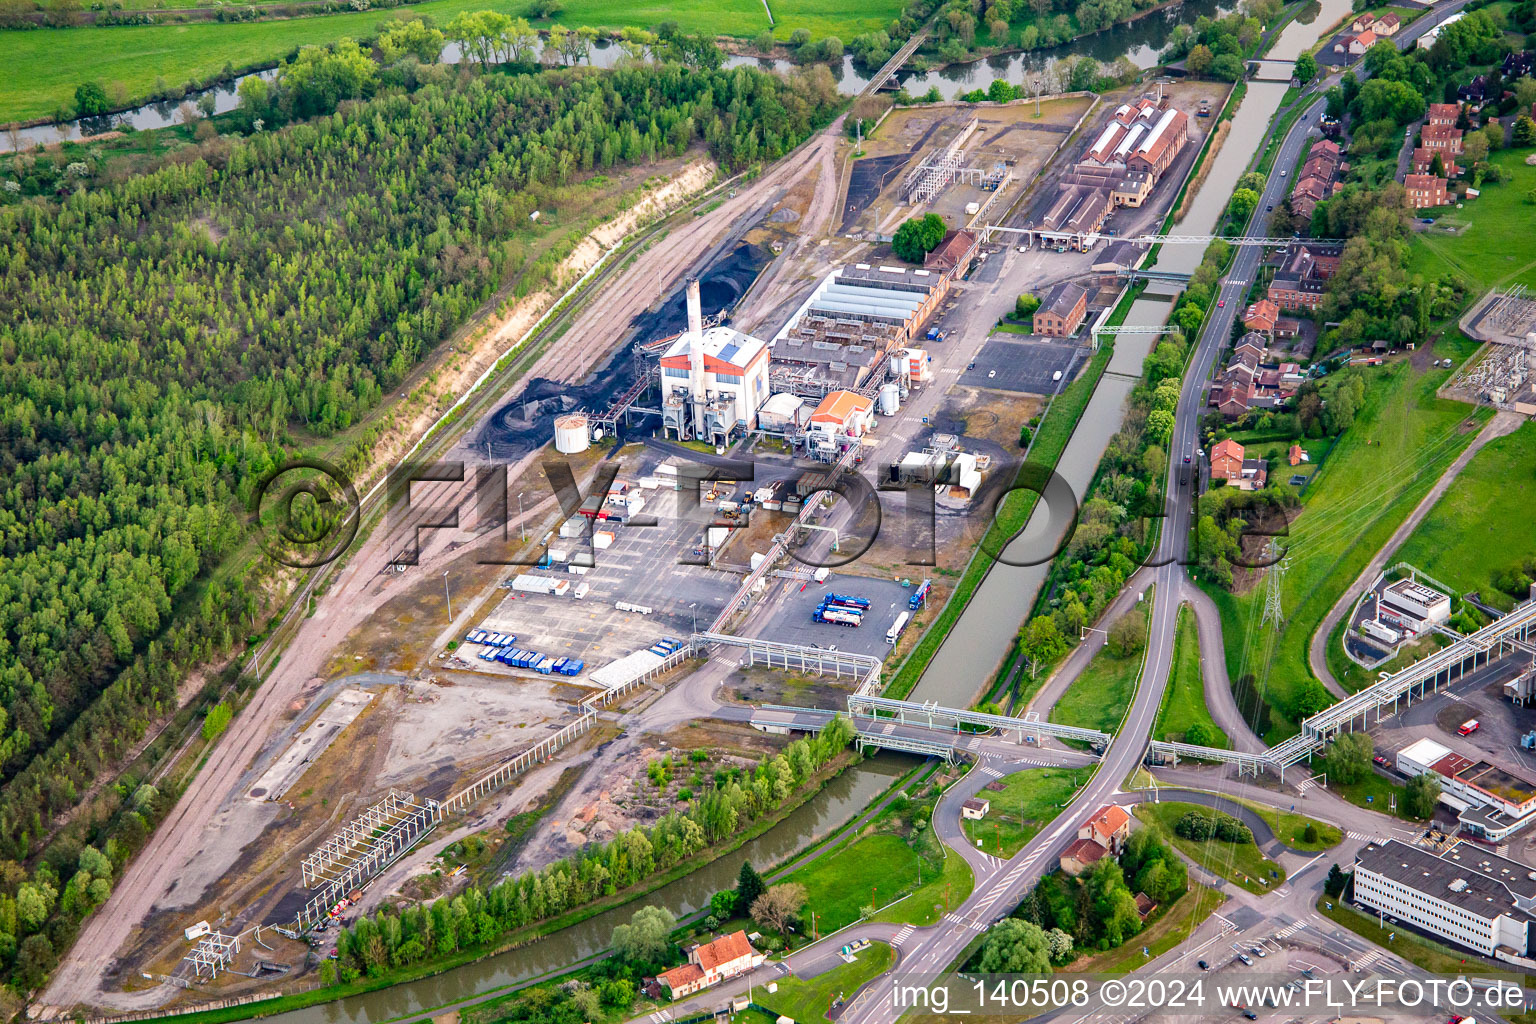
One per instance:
(695, 307)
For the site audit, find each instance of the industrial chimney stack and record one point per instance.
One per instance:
(695, 307)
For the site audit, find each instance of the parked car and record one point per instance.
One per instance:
(1204, 966)
(1381, 761)
(1257, 951)
(1245, 958)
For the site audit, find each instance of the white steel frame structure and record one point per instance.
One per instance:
(214, 952)
(363, 848)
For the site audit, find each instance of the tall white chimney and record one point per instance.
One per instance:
(695, 307)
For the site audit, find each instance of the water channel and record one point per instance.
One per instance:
(1141, 40)
(842, 800)
(981, 639)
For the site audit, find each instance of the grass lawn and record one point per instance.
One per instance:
(1169, 927)
(1374, 791)
(820, 17)
(1290, 828)
(1030, 801)
(810, 1000)
(1242, 864)
(870, 871)
(938, 894)
(1491, 241)
(1184, 700)
(1098, 698)
(1401, 441)
(1432, 956)
(1485, 523)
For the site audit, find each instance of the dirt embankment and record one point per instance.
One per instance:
(1204, 169)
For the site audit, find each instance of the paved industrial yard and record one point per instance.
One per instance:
(1024, 366)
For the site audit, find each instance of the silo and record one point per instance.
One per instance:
(572, 434)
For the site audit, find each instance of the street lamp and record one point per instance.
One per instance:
(522, 527)
(694, 609)
(448, 596)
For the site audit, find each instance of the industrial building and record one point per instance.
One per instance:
(1062, 310)
(1412, 604)
(712, 381)
(840, 420)
(1468, 896)
(1490, 802)
(1120, 167)
(855, 318)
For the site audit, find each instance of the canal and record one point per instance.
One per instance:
(838, 803)
(985, 632)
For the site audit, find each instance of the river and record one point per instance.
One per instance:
(985, 632)
(1141, 40)
(838, 803)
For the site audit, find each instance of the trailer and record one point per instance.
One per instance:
(894, 633)
(572, 666)
(545, 666)
(849, 601)
(838, 616)
(528, 583)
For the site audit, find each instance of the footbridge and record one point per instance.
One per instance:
(934, 716)
(1425, 676)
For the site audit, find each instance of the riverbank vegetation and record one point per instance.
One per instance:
(147, 404)
(394, 939)
(1101, 695)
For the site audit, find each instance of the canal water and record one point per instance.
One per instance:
(838, 803)
(985, 632)
(1141, 40)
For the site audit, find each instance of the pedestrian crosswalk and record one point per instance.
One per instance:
(660, 1016)
(992, 861)
(959, 922)
(1306, 784)
(1290, 929)
(1361, 836)
(902, 936)
(990, 772)
(1370, 957)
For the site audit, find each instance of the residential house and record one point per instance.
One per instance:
(1250, 349)
(1424, 162)
(1232, 396)
(1110, 827)
(1062, 312)
(1443, 114)
(1474, 92)
(1307, 193)
(1518, 64)
(1144, 905)
(1261, 316)
(1081, 855)
(1362, 42)
(1426, 190)
(1441, 138)
(1226, 460)
(711, 963)
(1387, 25)
(1318, 178)
(975, 808)
(1304, 271)
(1287, 327)
(1254, 475)
(1362, 23)
(1297, 455)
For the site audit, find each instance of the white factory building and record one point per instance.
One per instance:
(712, 381)
(1410, 604)
(1469, 896)
(1490, 801)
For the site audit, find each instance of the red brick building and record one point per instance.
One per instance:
(1426, 190)
(1062, 311)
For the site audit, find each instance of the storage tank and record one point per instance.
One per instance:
(572, 434)
(890, 399)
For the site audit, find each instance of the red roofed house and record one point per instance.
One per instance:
(1297, 455)
(1362, 42)
(1080, 856)
(1444, 113)
(1110, 827)
(1441, 138)
(1387, 25)
(713, 962)
(1425, 190)
(1261, 316)
(1226, 460)
(1424, 161)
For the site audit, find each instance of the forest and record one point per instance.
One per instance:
(168, 338)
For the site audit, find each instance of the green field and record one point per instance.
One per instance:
(1291, 828)
(809, 1000)
(1491, 244)
(1485, 523)
(1098, 698)
(1374, 791)
(1029, 801)
(875, 870)
(46, 65)
(1401, 441)
(1184, 700)
(1242, 864)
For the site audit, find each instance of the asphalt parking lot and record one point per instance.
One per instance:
(1023, 366)
(642, 567)
(791, 622)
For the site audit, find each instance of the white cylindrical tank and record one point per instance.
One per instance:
(890, 399)
(572, 434)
